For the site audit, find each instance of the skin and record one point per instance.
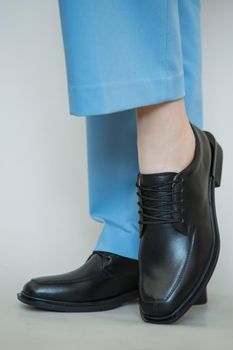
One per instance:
(165, 139)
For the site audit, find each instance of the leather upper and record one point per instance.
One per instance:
(173, 256)
(103, 275)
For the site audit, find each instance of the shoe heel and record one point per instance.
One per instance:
(217, 159)
(202, 298)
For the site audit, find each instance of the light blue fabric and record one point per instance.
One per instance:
(122, 54)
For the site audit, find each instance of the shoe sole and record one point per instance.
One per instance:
(99, 305)
(200, 288)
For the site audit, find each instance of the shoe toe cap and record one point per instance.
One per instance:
(157, 309)
(35, 290)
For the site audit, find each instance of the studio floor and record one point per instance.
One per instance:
(206, 327)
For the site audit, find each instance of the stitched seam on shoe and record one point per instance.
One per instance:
(71, 281)
(176, 283)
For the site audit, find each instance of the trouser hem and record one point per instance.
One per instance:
(87, 100)
(122, 243)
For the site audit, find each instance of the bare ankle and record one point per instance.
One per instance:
(165, 138)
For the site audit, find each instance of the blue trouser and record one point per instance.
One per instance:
(122, 54)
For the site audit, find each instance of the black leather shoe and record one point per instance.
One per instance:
(179, 238)
(105, 281)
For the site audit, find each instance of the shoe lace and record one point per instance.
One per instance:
(102, 254)
(156, 202)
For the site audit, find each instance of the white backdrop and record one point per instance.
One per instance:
(44, 223)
